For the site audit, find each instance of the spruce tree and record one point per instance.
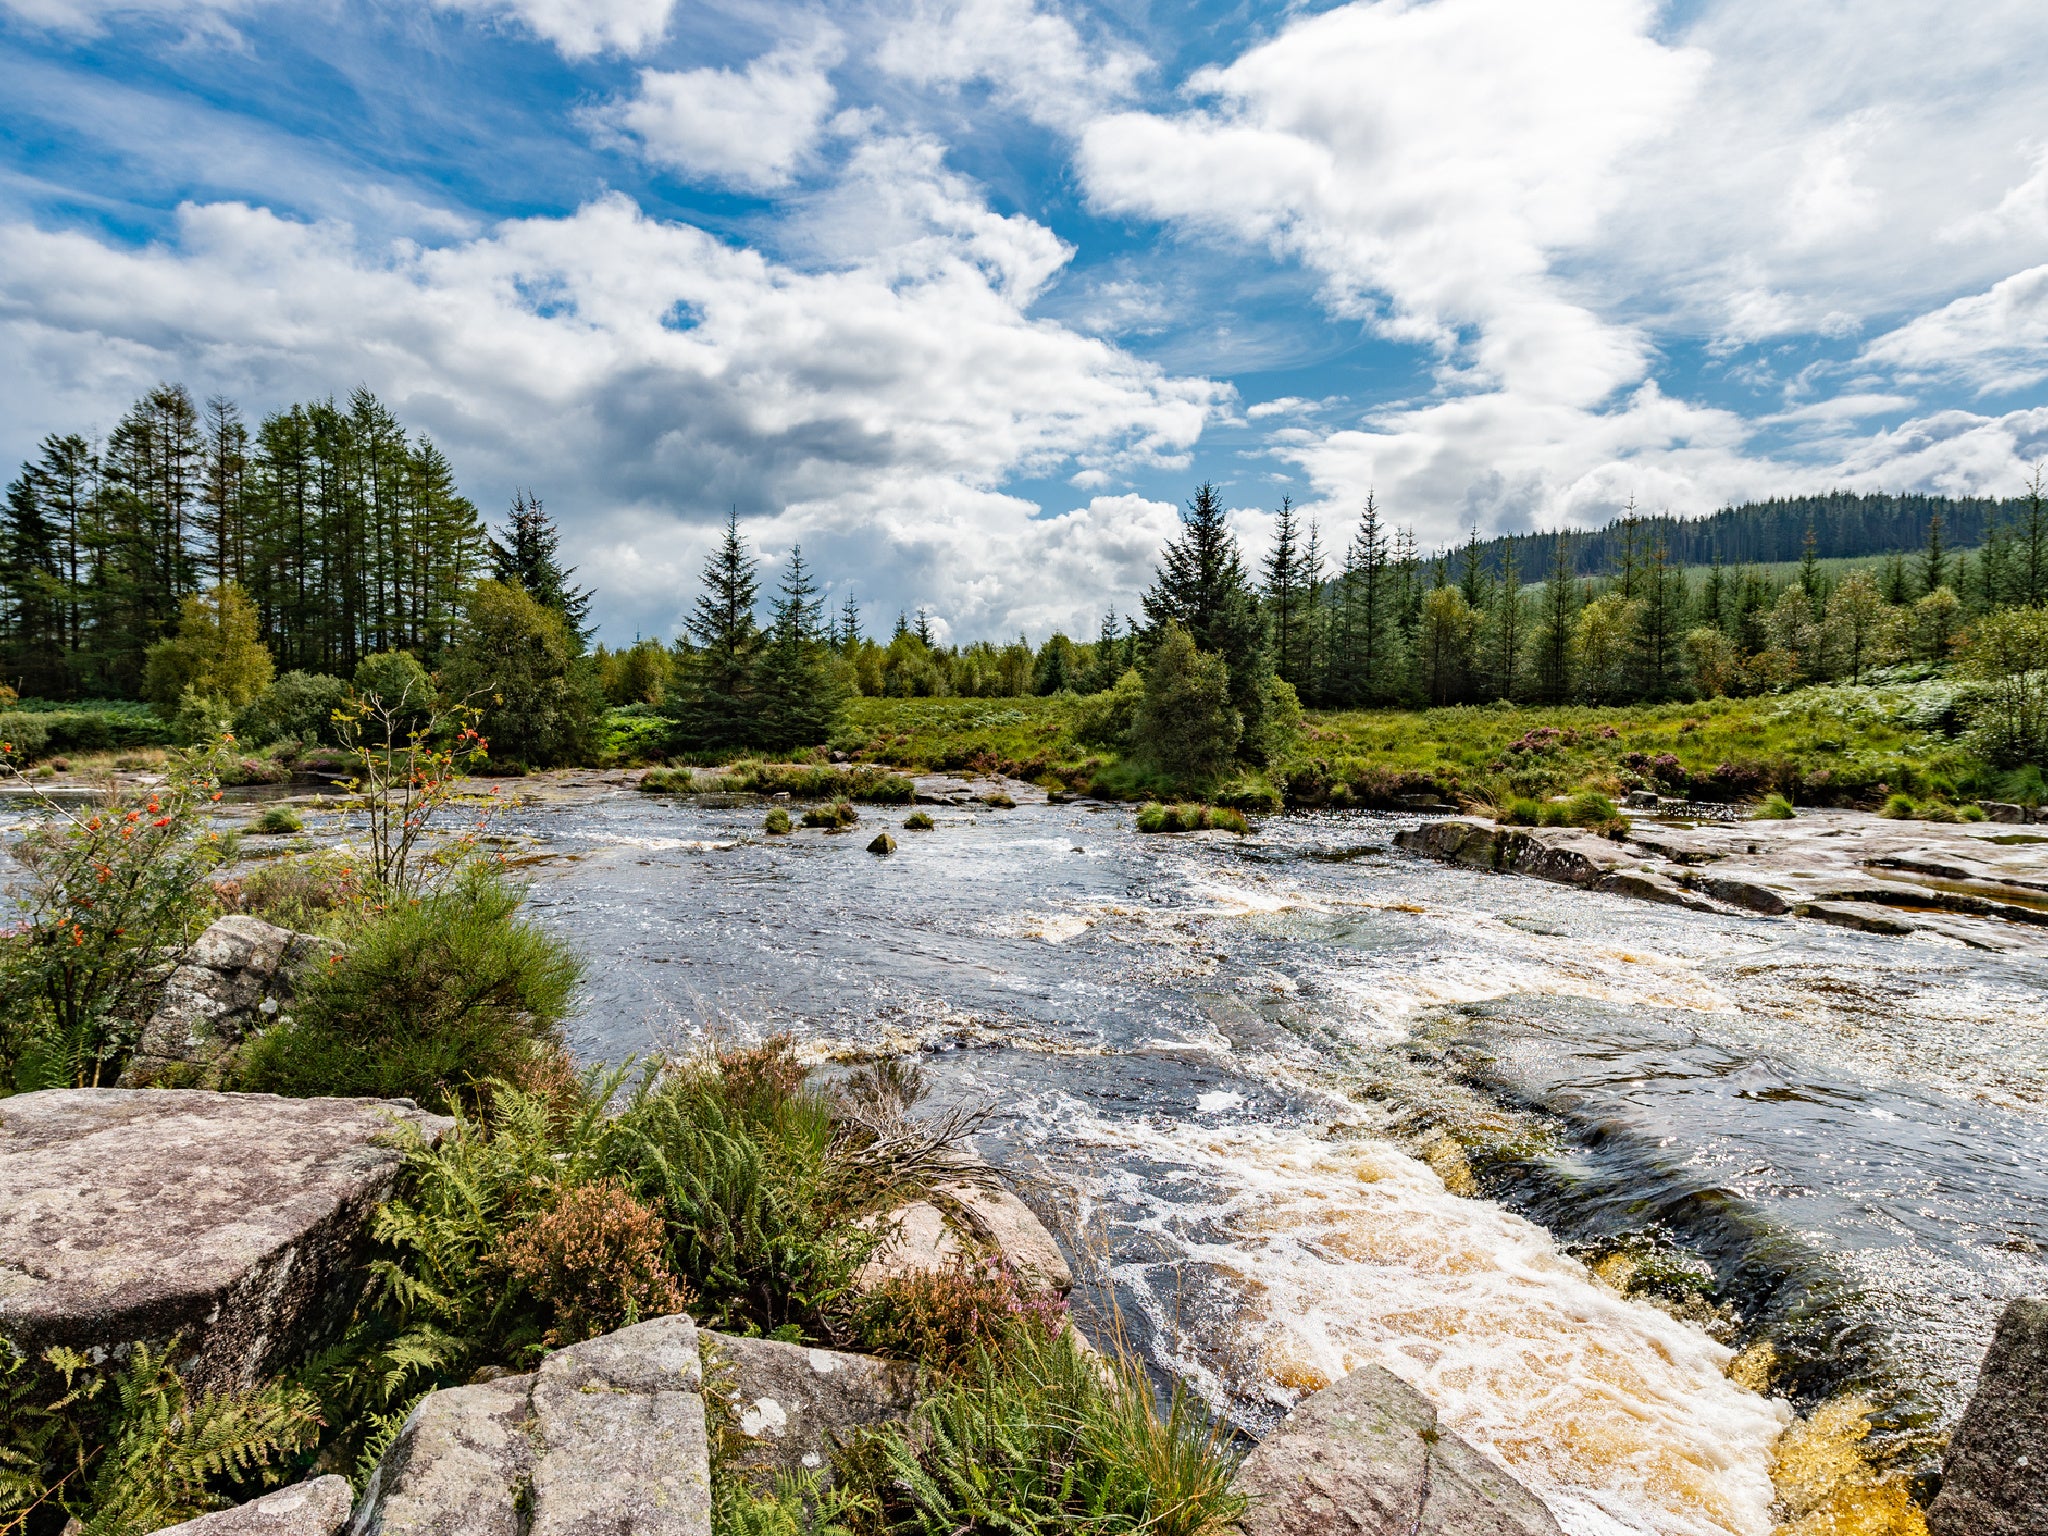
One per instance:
(1284, 594)
(1202, 586)
(1933, 559)
(2027, 577)
(1552, 641)
(798, 688)
(1508, 624)
(1895, 587)
(1109, 654)
(1315, 664)
(849, 626)
(924, 627)
(529, 557)
(1631, 551)
(1370, 599)
(1659, 626)
(716, 705)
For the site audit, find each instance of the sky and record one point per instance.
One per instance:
(967, 296)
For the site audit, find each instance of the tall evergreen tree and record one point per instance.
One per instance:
(1508, 625)
(849, 626)
(1372, 667)
(528, 556)
(923, 627)
(1285, 597)
(716, 705)
(1631, 526)
(1659, 626)
(1934, 570)
(798, 690)
(1315, 663)
(1202, 586)
(1556, 616)
(2028, 573)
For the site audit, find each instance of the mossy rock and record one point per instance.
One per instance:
(918, 821)
(777, 822)
(883, 843)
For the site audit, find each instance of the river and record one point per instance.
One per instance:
(1214, 1061)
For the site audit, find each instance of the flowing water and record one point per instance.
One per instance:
(1307, 1101)
(1215, 1059)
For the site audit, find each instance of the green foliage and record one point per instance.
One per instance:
(777, 821)
(1034, 1442)
(667, 781)
(518, 661)
(299, 706)
(434, 998)
(37, 729)
(1109, 718)
(130, 1450)
(1191, 818)
(107, 893)
(1186, 725)
(398, 681)
(1202, 587)
(2005, 655)
(1774, 808)
(216, 652)
(833, 818)
(946, 1319)
(634, 734)
(805, 781)
(279, 819)
(918, 821)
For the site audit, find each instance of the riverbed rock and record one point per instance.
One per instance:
(237, 977)
(1740, 890)
(789, 1406)
(1651, 885)
(1995, 1476)
(316, 1508)
(236, 1221)
(1367, 1457)
(883, 843)
(606, 1438)
(1999, 810)
(1863, 916)
(982, 1218)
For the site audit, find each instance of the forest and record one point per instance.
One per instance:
(242, 576)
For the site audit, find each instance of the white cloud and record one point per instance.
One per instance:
(1035, 61)
(580, 28)
(748, 128)
(658, 374)
(1995, 340)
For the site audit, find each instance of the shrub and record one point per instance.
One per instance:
(944, 1318)
(1900, 808)
(1774, 808)
(398, 681)
(280, 819)
(810, 781)
(517, 661)
(833, 817)
(434, 998)
(215, 654)
(667, 781)
(304, 894)
(1186, 725)
(1107, 719)
(1590, 808)
(1521, 812)
(2005, 655)
(918, 821)
(777, 822)
(596, 1260)
(1191, 818)
(299, 706)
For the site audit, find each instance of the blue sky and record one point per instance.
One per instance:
(966, 295)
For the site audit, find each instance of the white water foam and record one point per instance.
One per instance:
(1343, 1250)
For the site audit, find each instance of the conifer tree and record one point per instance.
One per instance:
(1508, 626)
(924, 627)
(1371, 665)
(1659, 626)
(1202, 586)
(529, 557)
(1896, 589)
(716, 704)
(2028, 576)
(1933, 560)
(1315, 664)
(1109, 654)
(1631, 551)
(1285, 596)
(798, 690)
(1552, 641)
(849, 626)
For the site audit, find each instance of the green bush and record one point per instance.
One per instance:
(280, 819)
(433, 999)
(777, 822)
(1186, 726)
(918, 821)
(1774, 808)
(1521, 812)
(667, 781)
(1191, 818)
(1900, 808)
(1590, 808)
(1107, 719)
(298, 706)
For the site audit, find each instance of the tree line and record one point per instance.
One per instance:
(345, 531)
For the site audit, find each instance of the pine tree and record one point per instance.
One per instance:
(1631, 552)
(1714, 596)
(849, 626)
(1895, 587)
(529, 557)
(1202, 586)
(1109, 654)
(1473, 580)
(1552, 641)
(1315, 665)
(1933, 560)
(1285, 596)
(1659, 626)
(2028, 575)
(1371, 666)
(716, 705)
(1509, 625)
(798, 689)
(924, 627)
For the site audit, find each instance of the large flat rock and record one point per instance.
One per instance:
(605, 1439)
(1995, 1478)
(791, 1406)
(316, 1508)
(1366, 1457)
(236, 1221)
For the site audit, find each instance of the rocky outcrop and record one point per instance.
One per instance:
(606, 1438)
(1366, 1457)
(235, 1221)
(1995, 1477)
(317, 1508)
(787, 1407)
(234, 980)
(1959, 881)
(977, 1218)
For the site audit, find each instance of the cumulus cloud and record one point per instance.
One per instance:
(872, 410)
(1034, 60)
(747, 128)
(1995, 340)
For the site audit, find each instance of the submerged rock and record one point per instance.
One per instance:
(606, 1437)
(789, 1406)
(883, 843)
(234, 1220)
(1366, 1457)
(237, 977)
(316, 1508)
(1995, 1477)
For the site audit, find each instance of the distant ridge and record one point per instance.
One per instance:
(1845, 526)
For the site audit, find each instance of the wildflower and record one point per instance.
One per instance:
(161, 821)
